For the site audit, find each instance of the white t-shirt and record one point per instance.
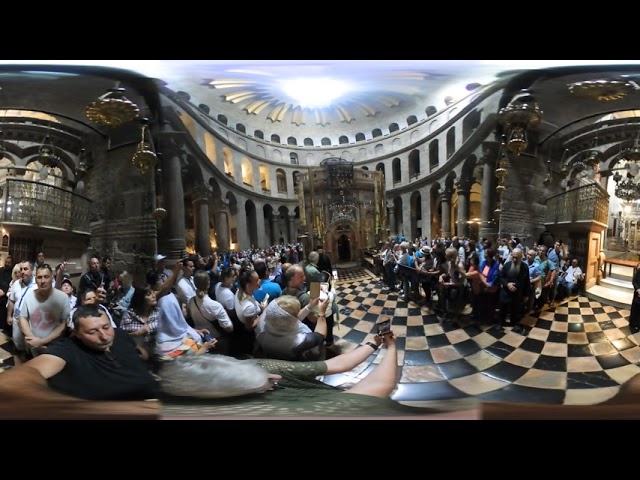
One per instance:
(225, 296)
(247, 307)
(210, 314)
(45, 316)
(185, 290)
(16, 293)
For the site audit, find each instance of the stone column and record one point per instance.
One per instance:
(463, 187)
(391, 215)
(275, 228)
(170, 144)
(446, 211)
(221, 219)
(488, 226)
(293, 230)
(426, 214)
(201, 219)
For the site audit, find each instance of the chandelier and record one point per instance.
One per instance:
(520, 114)
(112, 109)
(603, 89)
(144, 157)
(627, 188)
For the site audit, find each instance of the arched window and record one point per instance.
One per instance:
(434, 156)
(281, 180)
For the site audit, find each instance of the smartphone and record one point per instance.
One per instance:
(324, 287)
(266, 298)
(207, 337)
(314, 290)
(384, 327)
(335, 274)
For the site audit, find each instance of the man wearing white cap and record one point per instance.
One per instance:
(161, 267)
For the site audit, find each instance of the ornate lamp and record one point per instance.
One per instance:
(158, 215)
(46, 152)
(603, 89)
(521, 113)
(144, 158)
(112, 109)
(501, 174)
(627, 187)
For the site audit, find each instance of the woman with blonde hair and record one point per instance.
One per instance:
(282, 334)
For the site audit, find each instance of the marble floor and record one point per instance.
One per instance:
(576, 352)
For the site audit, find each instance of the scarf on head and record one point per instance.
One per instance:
(173, 329)
(278, 321)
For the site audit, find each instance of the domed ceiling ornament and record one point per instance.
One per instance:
(260, 93)
(603, 89)
(112, 109)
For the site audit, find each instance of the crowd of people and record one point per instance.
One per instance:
(226, 326)
(492, 284)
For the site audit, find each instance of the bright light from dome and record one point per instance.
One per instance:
(314, 92)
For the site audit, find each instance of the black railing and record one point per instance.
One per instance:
(29, 202)
(587, 203)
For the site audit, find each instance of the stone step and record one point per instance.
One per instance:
(622, 284)
(608, 295)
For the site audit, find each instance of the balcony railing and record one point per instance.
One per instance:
(587, 203)
(28, 202)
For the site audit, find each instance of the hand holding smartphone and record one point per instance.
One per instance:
(384, 327)
(314, 290)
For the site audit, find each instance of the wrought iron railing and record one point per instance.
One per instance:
(587, 203)
(29, 202)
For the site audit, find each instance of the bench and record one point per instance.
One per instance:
(617, 261)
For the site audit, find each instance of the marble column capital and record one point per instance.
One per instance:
(463, 186)
(200, 194)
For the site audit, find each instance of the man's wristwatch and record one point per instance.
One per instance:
(373, 345)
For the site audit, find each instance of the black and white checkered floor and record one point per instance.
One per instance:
(576, 353)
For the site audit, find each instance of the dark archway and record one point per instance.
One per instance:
(344, 248)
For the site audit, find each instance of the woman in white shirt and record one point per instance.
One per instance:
(209, 314)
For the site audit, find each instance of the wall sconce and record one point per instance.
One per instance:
(521, 113)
